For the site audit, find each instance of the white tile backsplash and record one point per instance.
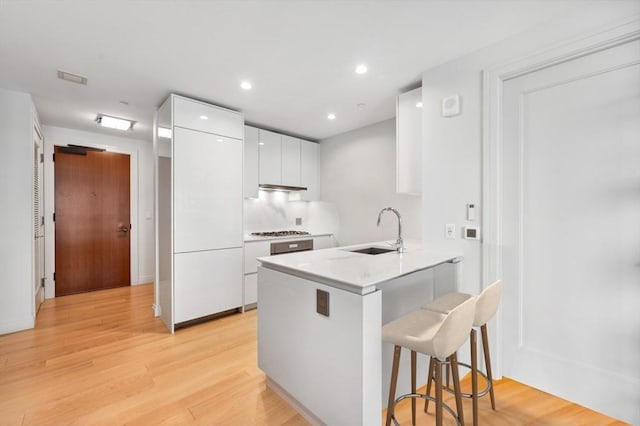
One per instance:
(273, 211)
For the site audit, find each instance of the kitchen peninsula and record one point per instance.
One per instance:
(320, 319)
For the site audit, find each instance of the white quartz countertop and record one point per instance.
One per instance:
(358, 272)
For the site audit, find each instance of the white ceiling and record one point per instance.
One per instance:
(299, 55)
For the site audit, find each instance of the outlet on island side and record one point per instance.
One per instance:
(450, 231)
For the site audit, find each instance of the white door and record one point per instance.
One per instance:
(571, 230)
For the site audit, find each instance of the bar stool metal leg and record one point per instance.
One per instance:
(414, 358)
(394, 381)
(487, 363)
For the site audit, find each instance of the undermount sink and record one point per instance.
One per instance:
(373, 250)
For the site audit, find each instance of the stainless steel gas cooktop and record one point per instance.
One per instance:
(278, 233)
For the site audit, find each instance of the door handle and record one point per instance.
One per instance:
(124, 229)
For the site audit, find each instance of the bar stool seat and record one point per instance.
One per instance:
(436, 334)
(486, 306)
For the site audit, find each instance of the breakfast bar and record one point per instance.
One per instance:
(319, 324)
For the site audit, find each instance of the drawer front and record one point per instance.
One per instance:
(191, 114)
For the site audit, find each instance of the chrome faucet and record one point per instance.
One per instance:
(399, 242)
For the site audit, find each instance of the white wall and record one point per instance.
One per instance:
(142, 265)
(452, 155)
(357, 171)
(16, 214)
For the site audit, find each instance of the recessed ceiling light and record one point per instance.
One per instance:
(361, 69)
(331, 116)
(219, 140)
(114, 123)
(204, 117)
(246, 85)
(260, 143)
(419, 104)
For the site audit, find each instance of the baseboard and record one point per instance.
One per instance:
(301, 409)
(147, 279)
(25, 323)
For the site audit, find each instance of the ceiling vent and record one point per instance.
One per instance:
(74, 78)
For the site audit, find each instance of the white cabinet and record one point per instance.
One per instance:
(207, 186)
(199, 214)
(409, 142)
(250, 290)
(251, 162)
(323, 242)
(207, 282)
(270, 151)
(290, 161)
(310, 170)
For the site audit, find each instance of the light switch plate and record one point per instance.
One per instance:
(298, 221)
(450, 231)
(471, 233)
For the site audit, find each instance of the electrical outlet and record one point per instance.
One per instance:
(298, 221)
(450, 231)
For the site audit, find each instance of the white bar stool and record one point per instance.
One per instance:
(438, 335)
(486, 306)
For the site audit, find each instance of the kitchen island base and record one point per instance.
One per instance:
(335, 369)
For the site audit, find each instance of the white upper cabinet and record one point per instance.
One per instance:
(196, 115)
(409, 142)
(310, 170)
(290, 161)
(251, 162)
(270, 154)
(207, 191)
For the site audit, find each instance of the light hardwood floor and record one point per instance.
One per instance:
(101, 358)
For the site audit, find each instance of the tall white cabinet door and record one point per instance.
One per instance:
(310, 170)
(207, 194)
(250, 162)
(409, 142)
(210, 282)
(290, 161)
(270, 153)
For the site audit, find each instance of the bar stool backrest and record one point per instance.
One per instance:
(487, 303)
(454, 330)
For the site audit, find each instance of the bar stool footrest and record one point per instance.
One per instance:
(422, 396)
(483, 392)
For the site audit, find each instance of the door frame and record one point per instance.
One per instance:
(50, 255)
(492, 143)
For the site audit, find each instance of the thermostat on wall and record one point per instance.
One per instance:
(471, 233)
(451, 106)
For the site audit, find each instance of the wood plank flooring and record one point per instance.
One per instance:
(102, 358)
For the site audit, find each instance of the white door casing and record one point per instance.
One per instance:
(561, 229)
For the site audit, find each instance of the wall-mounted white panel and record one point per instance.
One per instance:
(207, 282)
(310, 170)
(207, 194)
(270, 151)
(197, 115)
(409, 142)
(251, 162)
(290, 161)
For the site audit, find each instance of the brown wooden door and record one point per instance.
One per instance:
(92, 221)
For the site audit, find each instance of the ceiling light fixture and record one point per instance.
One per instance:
(73, 78)
(331, 116)
(361, 69)
(204, 117)
(246, 85)
(419, 104)
(164, 132)
(114, 123)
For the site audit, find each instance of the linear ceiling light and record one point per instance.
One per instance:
(114, 123)
(73, 78)
(164, 132)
